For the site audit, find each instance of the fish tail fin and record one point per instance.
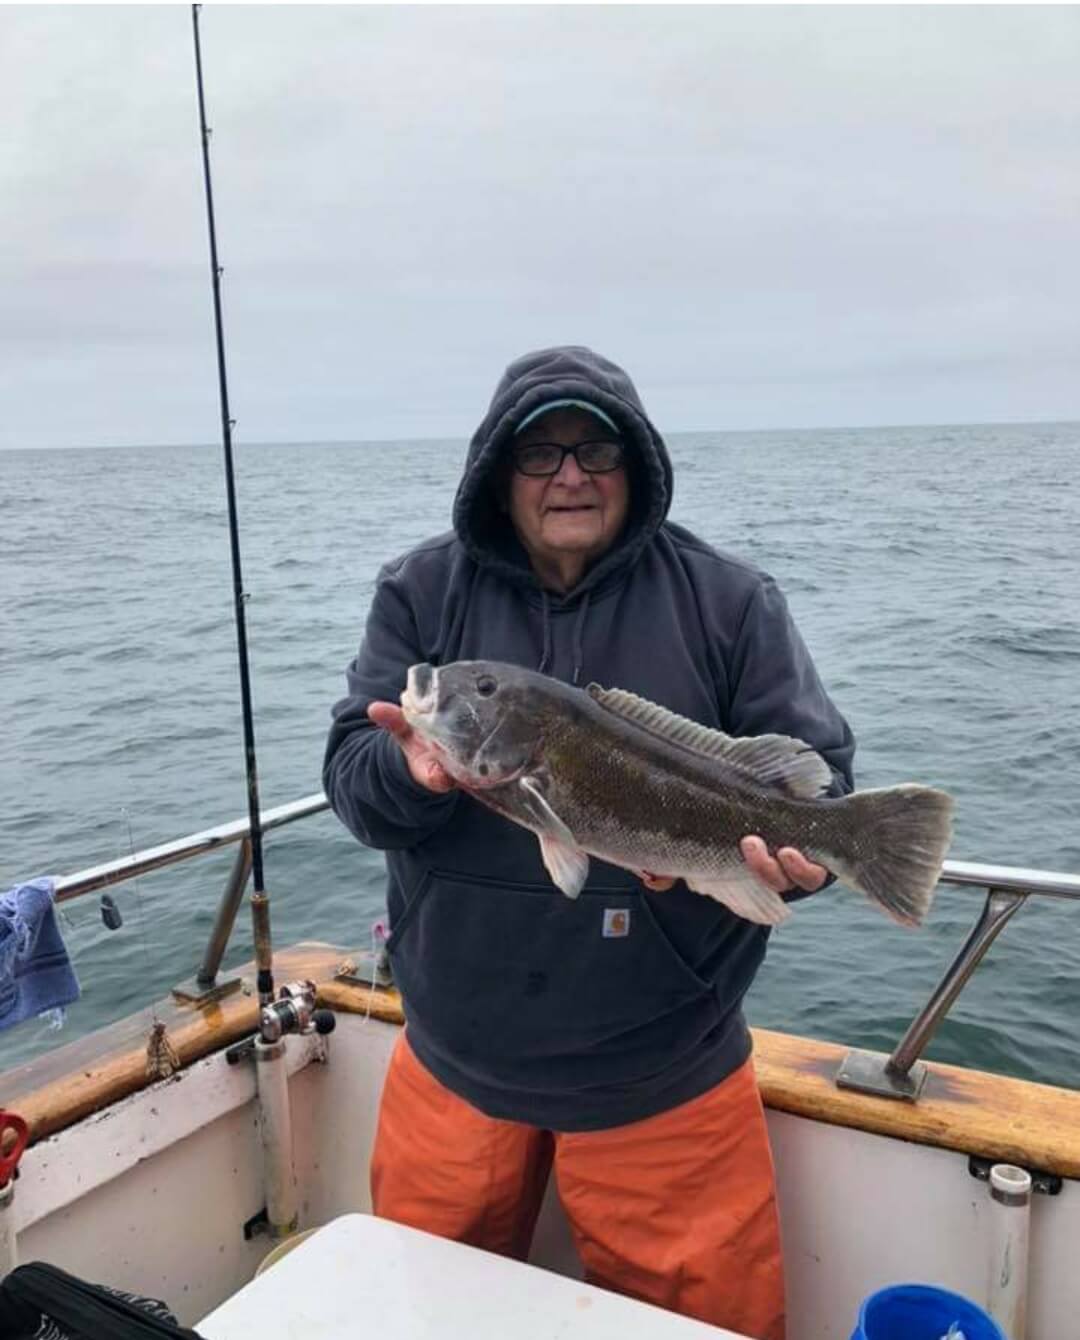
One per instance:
(903, 835)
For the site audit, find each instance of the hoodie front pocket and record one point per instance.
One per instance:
(517, 978)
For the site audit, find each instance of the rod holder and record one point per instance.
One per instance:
(1010, 1222)
(275, 1131)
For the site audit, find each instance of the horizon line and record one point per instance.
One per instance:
(384, 441)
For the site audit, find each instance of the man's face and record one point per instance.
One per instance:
(572, 512)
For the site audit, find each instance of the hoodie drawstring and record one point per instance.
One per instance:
(579, 634)
(576, 649)
(545, 656)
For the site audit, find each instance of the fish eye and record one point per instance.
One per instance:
(486, 686)
(483, 769)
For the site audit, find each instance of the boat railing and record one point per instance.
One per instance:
(899, 1075)
(101, 877)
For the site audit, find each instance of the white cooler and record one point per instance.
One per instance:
(369, 1279)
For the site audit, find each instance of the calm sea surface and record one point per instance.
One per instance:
(935, 573)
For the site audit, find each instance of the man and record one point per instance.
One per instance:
(601, 1037)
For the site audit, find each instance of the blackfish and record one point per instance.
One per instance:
(602, 772)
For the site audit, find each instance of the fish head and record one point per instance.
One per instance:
(481, 718)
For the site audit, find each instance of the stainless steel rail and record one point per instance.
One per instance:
(902, 1074)
(999, 907)
(899, 1075)
(205, 983)
(169, 853)
(226, 915)
(1013, 878)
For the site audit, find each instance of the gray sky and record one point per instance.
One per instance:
(771, 216)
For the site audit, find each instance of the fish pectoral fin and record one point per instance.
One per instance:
(745, 895)
(540, 811)
(564, 860)
(567, 866)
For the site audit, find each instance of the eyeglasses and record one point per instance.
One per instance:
(546, 458)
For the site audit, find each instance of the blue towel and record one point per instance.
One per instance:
(35, 972)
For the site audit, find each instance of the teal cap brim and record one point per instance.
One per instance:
(567, 404)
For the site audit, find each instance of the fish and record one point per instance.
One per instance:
(600, 772)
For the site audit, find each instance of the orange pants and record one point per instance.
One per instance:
(678, 1209)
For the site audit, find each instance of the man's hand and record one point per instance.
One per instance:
(424, 765)
(786, 868)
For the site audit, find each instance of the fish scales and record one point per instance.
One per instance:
(676, 809)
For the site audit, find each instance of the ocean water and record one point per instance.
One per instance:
(934, 573)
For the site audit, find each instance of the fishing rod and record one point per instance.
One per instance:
(295, 1011)
(260, 903)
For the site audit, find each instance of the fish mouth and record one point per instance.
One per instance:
(421, 692)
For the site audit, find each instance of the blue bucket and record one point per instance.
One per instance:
(921, 1312)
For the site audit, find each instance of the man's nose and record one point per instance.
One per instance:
(570, 472)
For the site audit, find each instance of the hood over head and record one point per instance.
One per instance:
(529, 386)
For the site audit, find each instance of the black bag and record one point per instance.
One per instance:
(43, 1302)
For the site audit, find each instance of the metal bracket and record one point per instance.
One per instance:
(194, 992)
(1047, 1184)
(868, 1072)
(367, 969)
(244, 1050)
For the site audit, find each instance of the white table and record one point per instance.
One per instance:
(369, 1279)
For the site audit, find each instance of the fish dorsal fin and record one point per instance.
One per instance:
(779, 761)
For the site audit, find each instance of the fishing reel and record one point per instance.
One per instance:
(294, 1012)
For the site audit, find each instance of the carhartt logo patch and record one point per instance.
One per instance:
(616, 922)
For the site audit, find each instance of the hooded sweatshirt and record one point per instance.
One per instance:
(565, 1014)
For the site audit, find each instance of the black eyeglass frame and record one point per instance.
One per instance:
(620, 457)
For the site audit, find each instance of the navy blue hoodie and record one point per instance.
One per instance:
(519, 999)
